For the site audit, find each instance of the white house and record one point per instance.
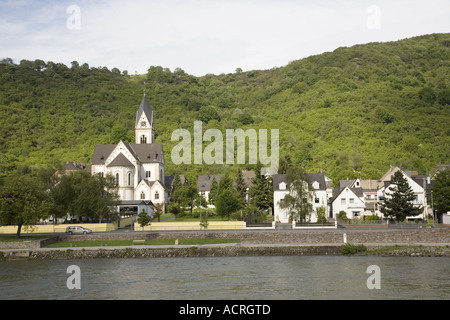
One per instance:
(363, 197)
(138, 168)
(349, 200)
(419, 189)
(204, 183)
(317, 183)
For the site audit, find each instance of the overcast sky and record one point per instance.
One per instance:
(205, 36)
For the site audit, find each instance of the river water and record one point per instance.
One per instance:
(225, 278)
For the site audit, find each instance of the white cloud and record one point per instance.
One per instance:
(205, 36)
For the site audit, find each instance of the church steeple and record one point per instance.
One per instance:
(144, 127)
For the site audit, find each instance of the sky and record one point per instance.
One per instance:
(205, 36)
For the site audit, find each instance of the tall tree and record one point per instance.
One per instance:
(23, 202)
(227, 202)
(241, 187)
(398, 203)
(213, 191)
(441, 192)
(98, 198)
(261, 192)
(227, 199)
(299, 199)
(186, 196)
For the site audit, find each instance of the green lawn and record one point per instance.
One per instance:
(22, 238)
(98, 243)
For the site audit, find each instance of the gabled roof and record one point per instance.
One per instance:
(204, 182)
(168, 181)
(356, 191)
(319, 177)
(120, 161)
(277, 179)
(135, 202)
(145, 153)
(148, 153)
(146, 109)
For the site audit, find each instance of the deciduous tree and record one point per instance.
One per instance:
(23, 202)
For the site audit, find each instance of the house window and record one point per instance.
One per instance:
(351, 200)
(142, 195)
(316, 200)
(148, 174)
(343, 201)
(117, 179)
(281, 201)
(129, 179)
(156, 195)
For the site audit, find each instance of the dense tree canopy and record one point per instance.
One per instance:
(352, 112)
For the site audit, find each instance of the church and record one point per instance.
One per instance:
(138, 168)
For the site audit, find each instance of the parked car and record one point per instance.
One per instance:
(77, 230)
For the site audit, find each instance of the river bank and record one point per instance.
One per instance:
(413, 243)
(223, 250)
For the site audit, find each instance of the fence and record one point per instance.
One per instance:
(314, 226)
(191, 225)
(61, 228)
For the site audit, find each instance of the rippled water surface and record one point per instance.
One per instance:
(274, 278)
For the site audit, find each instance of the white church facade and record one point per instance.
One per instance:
(137, 168)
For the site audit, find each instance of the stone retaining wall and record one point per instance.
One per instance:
(289, 236)
(225, 251)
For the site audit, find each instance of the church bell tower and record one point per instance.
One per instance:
(144, 128)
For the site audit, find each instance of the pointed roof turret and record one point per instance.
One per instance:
(146, 109)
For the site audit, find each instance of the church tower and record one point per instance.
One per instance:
(144, 128)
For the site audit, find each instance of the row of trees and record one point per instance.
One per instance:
(30, 196)
(228, 195)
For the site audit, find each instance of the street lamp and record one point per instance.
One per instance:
(432, 208)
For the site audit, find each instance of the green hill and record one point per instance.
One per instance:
(352, 112)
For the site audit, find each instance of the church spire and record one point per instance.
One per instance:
(144, 126)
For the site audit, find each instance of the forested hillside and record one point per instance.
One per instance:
(352, 112)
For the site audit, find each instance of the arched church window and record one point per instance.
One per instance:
(117, 179)
(142, 195)
(156, 195)
(143, 139)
